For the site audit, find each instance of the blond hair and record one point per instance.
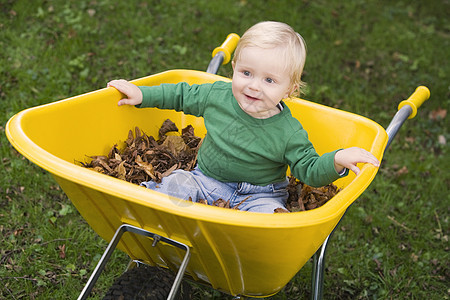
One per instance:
(270, 34)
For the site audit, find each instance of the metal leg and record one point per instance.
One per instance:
(318, 271)
(113, 244)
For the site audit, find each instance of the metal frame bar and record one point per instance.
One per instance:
(113, 244)
(318, 270)
(215, 63)
(397, 121)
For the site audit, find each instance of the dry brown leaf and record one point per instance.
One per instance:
(402, 171)
(130, 138)
(117, 156)
(147, 167)
(437, 114)
(222, 203)
(62, 251)
(121, 171)
(175, 144)
(280, 210)
(239, 204)
(137, 133)
(167, 126)
(169, 171)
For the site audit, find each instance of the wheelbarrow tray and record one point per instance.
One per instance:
(237, 252)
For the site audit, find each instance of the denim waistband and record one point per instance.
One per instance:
(248, 188)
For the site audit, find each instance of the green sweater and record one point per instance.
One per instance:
(238, 147)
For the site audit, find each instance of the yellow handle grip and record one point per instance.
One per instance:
(420, 95)
(227, 47)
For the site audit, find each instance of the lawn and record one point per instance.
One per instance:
(363, 56)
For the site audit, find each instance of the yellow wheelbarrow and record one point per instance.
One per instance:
(240, 253)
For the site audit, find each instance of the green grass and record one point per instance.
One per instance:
(363, 57)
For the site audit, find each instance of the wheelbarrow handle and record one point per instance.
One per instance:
(222, 54)
(407, 109)
(420, 95)
(227, 47)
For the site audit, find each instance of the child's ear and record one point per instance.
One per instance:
(291, 91)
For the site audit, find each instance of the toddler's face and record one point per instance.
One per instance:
(260, 81)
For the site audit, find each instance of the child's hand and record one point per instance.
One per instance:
(348, 158)
(133, 93)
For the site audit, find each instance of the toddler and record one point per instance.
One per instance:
(251, 135)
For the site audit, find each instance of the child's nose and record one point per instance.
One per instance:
(254, 85)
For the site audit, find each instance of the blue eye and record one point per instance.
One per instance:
(270, 80)
(246, 73)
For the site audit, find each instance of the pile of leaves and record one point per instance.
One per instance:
(144, 158)
(304, 197)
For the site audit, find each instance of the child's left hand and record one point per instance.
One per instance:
(348, 158)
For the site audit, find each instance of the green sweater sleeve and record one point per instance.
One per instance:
(191, 99)
(311, 168)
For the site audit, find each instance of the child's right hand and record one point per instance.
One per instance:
(133, 93)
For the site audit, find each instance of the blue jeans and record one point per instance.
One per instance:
(195, 185)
